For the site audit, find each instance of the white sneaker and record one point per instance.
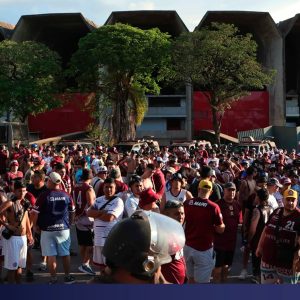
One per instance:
(243, 274)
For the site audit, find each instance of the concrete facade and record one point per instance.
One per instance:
(290, 30)
(60, 32)
(169, 115)
(278, 48)
(6, 31)
(270, 50)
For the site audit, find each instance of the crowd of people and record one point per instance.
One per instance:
(167, 216)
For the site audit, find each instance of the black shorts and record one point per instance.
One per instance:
(85, 238)
(223, 258)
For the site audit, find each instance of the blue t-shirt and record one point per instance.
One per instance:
(53, 207)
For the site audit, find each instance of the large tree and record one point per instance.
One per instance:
(222, 63)
(28, 78)
(121, 64)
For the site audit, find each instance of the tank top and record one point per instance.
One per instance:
(180, 197)
(264, 212)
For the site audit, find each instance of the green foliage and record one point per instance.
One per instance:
(28, 78)
(122, 63)
(222, 62)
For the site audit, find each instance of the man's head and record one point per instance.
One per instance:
(205, 188)
(205, 172)
(176, 180)
(262, 196)
(54, 180)
(174, 209)
(109, 187)
(19, 189)
(229, 191)
(102, 172)
(38, 178)
(115, 173)
(87, 175)
(273, 185)
(136, 185)
(290, 199)
(158, 162)
(14, 165)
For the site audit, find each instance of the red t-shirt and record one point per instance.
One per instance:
(289, 229)
(174, 272)
(9, 176)
(226, 241)
(159, 182)
(201, 217)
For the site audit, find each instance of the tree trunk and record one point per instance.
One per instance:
(217, 121)
(120, 118)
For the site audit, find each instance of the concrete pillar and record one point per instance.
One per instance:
(189, 105)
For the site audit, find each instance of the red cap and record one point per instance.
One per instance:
(146, 197)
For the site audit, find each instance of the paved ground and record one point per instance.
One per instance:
(42, 277)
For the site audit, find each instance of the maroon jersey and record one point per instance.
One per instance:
(79, 196)
(174, 271)
(289, 228)
(9, 176)
(201, 217)
(231, 216)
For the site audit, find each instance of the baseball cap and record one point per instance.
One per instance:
(230, 185)
(262, 179)
(55, 177)
(170, 170)
(177, 176)
(102, 169)
(287, 181)
(274, 181)
(159, 159)
(14, 163)
(290, 194)
(205, 184)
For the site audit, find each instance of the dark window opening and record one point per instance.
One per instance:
(164, 102)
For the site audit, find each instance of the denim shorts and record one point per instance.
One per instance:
(55, 243)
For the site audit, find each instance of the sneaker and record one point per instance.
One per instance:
(29, 276)
(243, 274)
(43, 266)
(87, 270)
(69, 279)
(53, 280)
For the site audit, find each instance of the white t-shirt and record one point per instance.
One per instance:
(102, 228)
(131, 205)
(279, 198)
(272, 202)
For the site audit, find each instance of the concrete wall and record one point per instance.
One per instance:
(270, 50)
(284, 137)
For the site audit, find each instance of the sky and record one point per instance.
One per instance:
(190, 11)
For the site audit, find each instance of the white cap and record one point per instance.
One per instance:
(55, 177)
